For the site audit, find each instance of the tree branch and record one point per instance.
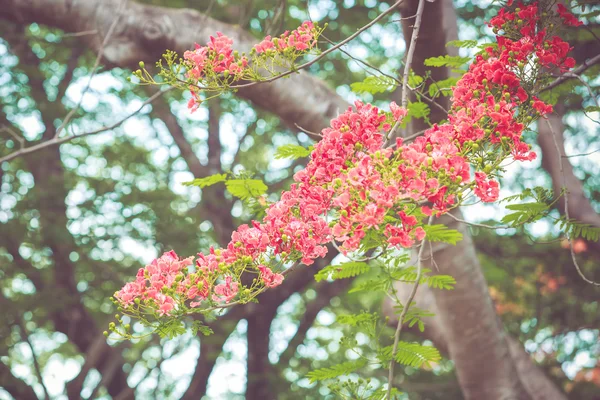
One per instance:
(54, 141)
(573, 74)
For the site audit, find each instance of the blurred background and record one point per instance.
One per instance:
(79, 217)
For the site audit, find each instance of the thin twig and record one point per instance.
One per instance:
(579, 70)
(581, 154)
(403, 314)
(409, 58)
(94, 69)
(56, 141)
(36, 364)
(308, 132)
(479, 225)
(326, 52)
(564, 183)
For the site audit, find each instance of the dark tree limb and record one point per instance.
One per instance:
(580, 207)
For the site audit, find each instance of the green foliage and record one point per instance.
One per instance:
(574, 229)
(336, 370)
(414, 315)
(445, 282)
(443, 87)
(362, 319)
(199, 327)
(414, 80)
(170, 328)
(292, 151)
(245, 189)
(417, 110)
(207, 180)
(447, 61)
(465, 44)
(411, 354)
(441, 233)
(525, 213)
(374, 84)
(345, 270)
(590, 109)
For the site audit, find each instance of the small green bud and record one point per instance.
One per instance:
(127, 327)
(141, 64)
(137, 300)
(105, 333)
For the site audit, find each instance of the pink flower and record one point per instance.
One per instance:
(398, 112)
(225, 292)
(486, 190)
(269, 278)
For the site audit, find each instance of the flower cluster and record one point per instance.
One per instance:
(217, 65)
(301, 39)
(353, 187)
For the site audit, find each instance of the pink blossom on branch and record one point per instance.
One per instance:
(352, 186)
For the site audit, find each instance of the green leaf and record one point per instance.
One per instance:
(525, 213)
(207, 180)
(465, 44)
(447, 61)
(363, 318)
(418, 110)
(446, 282)
(171, 328)
(382, 284)
(246, 188)
(575, 229)
(341, 271)
(374, 85)
(589, 109)
(416, 355)
(411, 354)
(199, 327)
(444, 87)
(292, 151)
(345, 368)
(441, 233)
(414, 80)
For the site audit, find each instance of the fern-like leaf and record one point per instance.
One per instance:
(465, 44)
(441, 233)
(345, 368)
(411, 354)
(207, 180)
(575, 229)
(374, 85)
(447, 61)
(245, 189)
(292, 151)
(342, 271)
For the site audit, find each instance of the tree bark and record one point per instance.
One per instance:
(144, 32)
(580, 207)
